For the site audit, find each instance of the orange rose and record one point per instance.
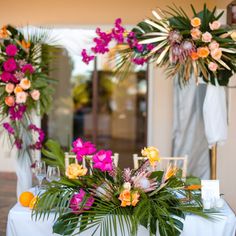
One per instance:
(135, 198)
(10, 101)
(127, 198)
(203, 52)
(195, 22)
(194, 56)
(18, 89)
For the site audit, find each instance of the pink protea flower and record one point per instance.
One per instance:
(175, 37)
(11, 50)
(10, 65)
(77, 200)
(27, 68)
(142, 181)
(102, 160)
(81, 148)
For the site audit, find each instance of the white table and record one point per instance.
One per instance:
(20, 224)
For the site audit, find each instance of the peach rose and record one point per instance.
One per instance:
(9, 88)
(196, 21)
(212, 66)
(25, 84)
(213, 45)
(135, 198)
(18, 89)
(21, 97)
(10, 101)
(206, 37)
(196, 34)
(215, 25)
(233, 35)
(127, 198)
(216, 54)
(35, 94)
(194, 56)
(75, 170)
(203, 52)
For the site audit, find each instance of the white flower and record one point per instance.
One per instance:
(127, 186)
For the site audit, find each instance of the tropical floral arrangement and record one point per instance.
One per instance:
(24, 86)
(183, 45)
(106, 199)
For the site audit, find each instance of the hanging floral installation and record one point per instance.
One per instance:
(110, 201)
(24, 86)
(173, 40)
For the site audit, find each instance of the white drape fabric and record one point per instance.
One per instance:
(23, 172)
(188, 127)
(215, 115)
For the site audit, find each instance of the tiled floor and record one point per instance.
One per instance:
(7, 197)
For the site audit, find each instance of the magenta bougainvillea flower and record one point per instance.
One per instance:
(81, 148)
(78, 204)
(8, 127)
(139, 60)
(41, 135)
(11, 50)
(85, 57)
(16, 112)
(103, 161)
(10, 65)
(102, 42)
(18, 143)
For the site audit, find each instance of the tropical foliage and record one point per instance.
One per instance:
(24, 84)
(106, 200)
(182, 45)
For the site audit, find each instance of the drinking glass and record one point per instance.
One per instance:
(53, 173)
(40, 172)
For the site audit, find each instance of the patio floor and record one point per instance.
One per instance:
(7, 197)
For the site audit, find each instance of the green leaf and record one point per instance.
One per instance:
(158, 175)
(66, 224)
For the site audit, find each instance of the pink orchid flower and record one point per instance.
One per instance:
(103, 161)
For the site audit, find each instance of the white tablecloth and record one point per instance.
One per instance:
(20, 224)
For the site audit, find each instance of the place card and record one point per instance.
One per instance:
(210, 193)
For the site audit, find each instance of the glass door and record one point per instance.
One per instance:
(91, 102)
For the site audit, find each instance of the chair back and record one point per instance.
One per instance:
(179, 162)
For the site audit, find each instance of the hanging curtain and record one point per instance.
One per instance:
(188, 128)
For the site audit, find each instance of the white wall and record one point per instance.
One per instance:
(160, 111)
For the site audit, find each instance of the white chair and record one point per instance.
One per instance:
(71, 158)
(180, 162)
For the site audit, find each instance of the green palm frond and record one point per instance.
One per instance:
(53, 154)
